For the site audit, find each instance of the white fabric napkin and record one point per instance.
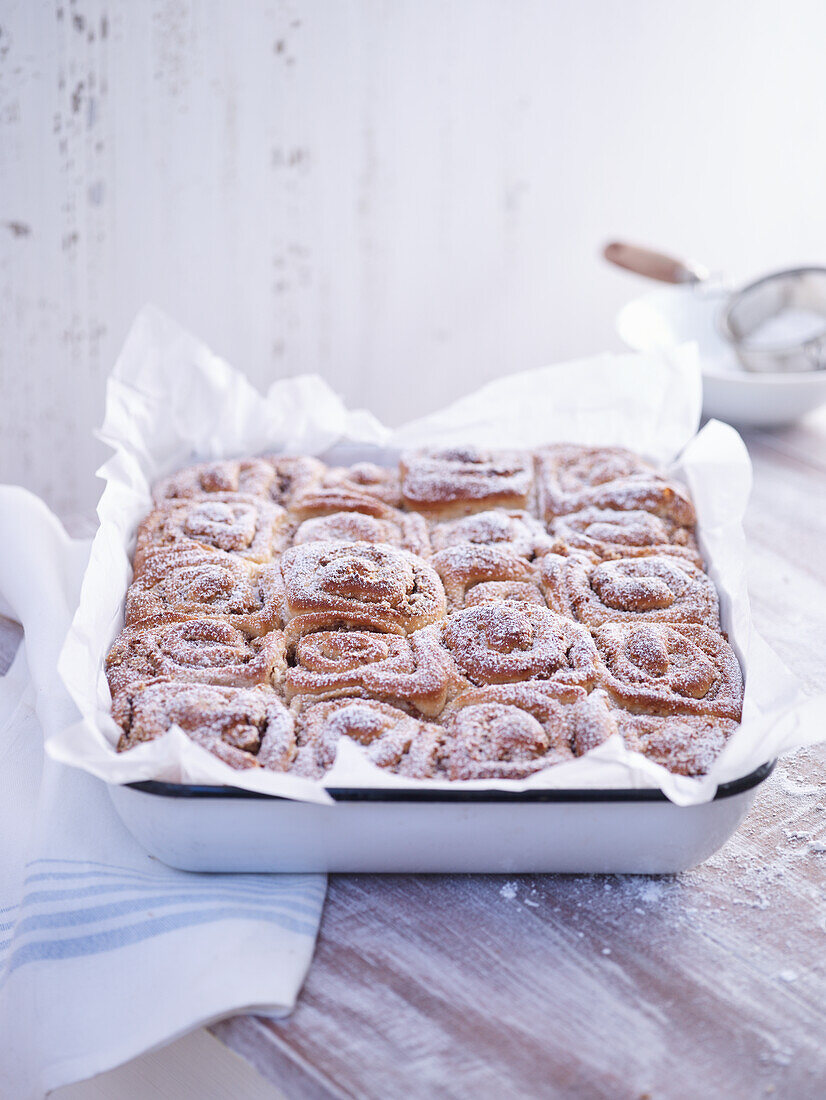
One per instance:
(104, 952)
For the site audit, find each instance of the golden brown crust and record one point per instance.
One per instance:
(403, 530)
(412, 670)
(612, 533)
(464, 567)
(659, 668)
(246, 727)
(237, 523)
(367, 479)
(684, 744)
(515, 531)
(292, 476)
(508, 643)
(233, 475)
(469, 614)
(391, 738)
(656, 588)
(176, 584)
(206, 651)
(445, 483)
(570, 478)
(358, 584)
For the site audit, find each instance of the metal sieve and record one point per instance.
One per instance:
(776, 324)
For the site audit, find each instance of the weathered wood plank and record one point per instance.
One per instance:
(711, 983)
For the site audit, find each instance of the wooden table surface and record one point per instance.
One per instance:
(709, 983)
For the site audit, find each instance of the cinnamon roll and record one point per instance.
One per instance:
(367, 479)
(176, 584)
(464, 567)
(291, 476)
(248, 526)
(610, 533)
(234, 475)
(683, 743)
(504, 592)
(245, 727)
(391, 738)
(456, 482)
(339, 493)
(404, 530)
(505, 732)
(207, 651)
(651, 589)
(505, 643)
(570, 478)
(358, 584)
(515, 531)
(659, 668)
(412, 670)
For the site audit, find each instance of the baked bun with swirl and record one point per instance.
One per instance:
(650, 589)
(391, 738)
(685, 744)
(505, 643)
(411, 670)
(175, 584)
(292, 475)
(574, 720)
(245, 727)
(360, 488)
(665, 668)
(570, 478)
(509, 731)
(445, 483)
(515, 531)
(496, 741)
(247, 526)
(232, 475)
(465, 567)
(358, 584)
(366, 479)
(206, 651)
(404, 530)
(504, 592)
(611, 533)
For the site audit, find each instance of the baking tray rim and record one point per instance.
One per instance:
(162, 788)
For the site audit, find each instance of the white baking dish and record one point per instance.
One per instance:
(201, 827)
(221, 828)
(171, 402)
(198, 828)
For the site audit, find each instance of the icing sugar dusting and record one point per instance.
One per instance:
(465, 637)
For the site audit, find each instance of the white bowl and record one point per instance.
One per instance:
(677, 315)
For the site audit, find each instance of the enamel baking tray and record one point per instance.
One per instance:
(198, 828)
(394, 830)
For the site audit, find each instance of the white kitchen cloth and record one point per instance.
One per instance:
(104, 952)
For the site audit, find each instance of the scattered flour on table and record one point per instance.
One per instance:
(508, 891)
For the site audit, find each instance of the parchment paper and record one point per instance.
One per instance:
(171, 402)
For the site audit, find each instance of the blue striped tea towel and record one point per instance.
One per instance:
(104, 952)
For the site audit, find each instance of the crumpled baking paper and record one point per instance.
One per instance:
(171, 402)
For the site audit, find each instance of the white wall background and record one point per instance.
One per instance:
(407, 197)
